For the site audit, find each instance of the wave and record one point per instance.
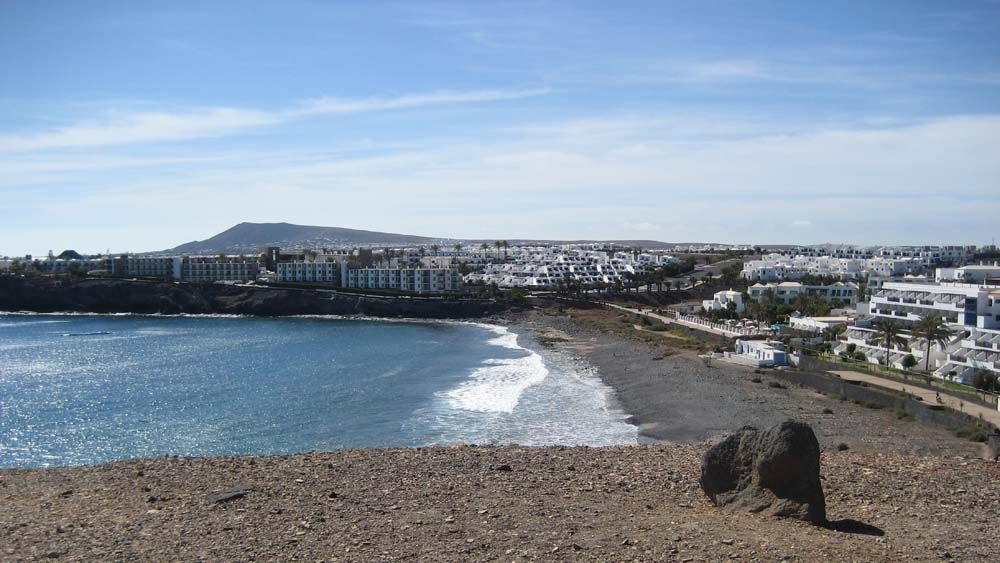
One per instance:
(29, 323)
(497, 386)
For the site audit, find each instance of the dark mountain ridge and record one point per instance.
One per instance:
(251, 237)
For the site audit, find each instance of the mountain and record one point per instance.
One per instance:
(251, 237)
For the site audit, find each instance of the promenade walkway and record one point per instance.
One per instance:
(690, 322)
(950, 401)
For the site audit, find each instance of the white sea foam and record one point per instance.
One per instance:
(28, 323)
(497, 386)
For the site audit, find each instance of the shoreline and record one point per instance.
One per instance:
(672, 396)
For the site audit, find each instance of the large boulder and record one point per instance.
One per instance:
(774, 472)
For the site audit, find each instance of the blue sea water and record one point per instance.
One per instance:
(82, 389)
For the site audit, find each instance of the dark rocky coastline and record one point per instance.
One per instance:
(69, 294)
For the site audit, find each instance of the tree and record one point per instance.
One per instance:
(499, 245)
(833, 332)
(932, 329)
(889, 334)
(435, 248)
(506, 245)
(985, 381)
(484, 247)
(909, 361)
(458, 248)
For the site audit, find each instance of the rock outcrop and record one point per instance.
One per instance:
(45, 294)
(774, 472)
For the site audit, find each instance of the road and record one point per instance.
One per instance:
(950, 401)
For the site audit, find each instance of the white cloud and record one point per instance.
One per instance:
(328, 105)
(929, 182)
(151, 127)
(139, 128)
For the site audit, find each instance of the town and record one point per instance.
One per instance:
(930, 309)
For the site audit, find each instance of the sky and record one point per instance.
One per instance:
(141, 125)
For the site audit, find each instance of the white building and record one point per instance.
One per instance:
(548, 267)
(787, 292)
(218, 268)
(816, 324)
(405, 279)
(972, 311)
(333, 272)
(968, 305)
(759, 353)
(968, 274)
(188, 268)
(721, 302)
(776, 267)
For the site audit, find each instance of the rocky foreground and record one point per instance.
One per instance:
(630, 503)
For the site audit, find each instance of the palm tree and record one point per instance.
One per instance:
(435, 248)
(506, 245)
(485, 247)
(833, 332)
(932, 329)
(889, 334)
(458, 248)
(498, 244)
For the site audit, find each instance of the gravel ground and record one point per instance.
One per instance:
(676, 397)
(626, 503)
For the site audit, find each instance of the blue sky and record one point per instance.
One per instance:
(142, 125)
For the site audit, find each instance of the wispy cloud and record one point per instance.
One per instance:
(871, 184)
(332, 106)
(139, 128)
(151, 127)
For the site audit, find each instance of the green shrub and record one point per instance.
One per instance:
(827, 411)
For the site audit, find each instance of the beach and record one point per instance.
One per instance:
(673, 395)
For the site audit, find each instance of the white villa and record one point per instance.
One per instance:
(722, 299)
(758, 353)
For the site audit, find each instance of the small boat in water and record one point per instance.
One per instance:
(96, 333)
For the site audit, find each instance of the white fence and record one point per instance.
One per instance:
(699, 323)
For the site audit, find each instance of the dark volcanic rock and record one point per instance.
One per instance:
(775, 472)
(45, 294)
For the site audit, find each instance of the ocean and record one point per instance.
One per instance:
(85, 389)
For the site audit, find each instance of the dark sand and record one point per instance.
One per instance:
(678, 398)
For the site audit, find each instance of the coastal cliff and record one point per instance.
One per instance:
(67, 294)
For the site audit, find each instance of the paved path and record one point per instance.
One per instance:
(928, 397)
(681, 322)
